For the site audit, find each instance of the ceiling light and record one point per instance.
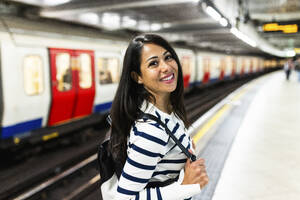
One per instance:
(166, 25)
(213, 13)
(216, 15)
(128, 22)
(111, 21)
(243, 37)
(143, 26)
(54, 2)
(155, 27)
(90, 18)
(223, 21)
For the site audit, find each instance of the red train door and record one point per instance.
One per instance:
(206, 69)
(223, 68)
(243, 66)
(72, 84)
(186, 70)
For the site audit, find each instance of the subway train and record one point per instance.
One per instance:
(57, 78)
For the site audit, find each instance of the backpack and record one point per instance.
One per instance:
(110, 171)
(106, 164)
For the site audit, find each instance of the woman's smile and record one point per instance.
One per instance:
(168, 79)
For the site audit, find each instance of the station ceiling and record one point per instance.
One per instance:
(231, 26)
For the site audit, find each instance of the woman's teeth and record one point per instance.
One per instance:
(168, 78)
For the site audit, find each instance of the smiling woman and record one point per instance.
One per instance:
(159, 72)
(152, 83)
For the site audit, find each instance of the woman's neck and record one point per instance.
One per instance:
(163, 104)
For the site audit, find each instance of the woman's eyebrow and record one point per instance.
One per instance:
(151, 58)
(156, 56)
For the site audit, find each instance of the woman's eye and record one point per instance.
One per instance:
(169, 57)
(152, 63)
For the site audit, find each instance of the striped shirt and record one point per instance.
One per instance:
(153, 156)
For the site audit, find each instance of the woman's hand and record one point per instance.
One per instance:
(195, 173)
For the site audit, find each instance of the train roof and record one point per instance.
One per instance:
(54, 29)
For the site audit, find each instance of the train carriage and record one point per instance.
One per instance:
(25, 88)
(53, 83)
(187, 59)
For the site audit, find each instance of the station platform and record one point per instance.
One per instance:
(251, 142)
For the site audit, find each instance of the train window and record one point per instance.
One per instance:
(206, 64)
(109, 70)
(186, 65)
(63, 72)
(85, 71)
(33, 75)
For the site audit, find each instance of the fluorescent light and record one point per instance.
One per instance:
(111, 21)
(166, 25)
(223, 22)
(213, 13)
(155, 27)
(243, 37)
(54, 2)
(90, 18)
(216, 15)
(143, 26)
(128, 22)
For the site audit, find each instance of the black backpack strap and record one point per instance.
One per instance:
(183, 149)
(161, 184)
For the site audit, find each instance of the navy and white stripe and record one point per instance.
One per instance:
(152, 156)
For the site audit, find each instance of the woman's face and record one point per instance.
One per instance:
(159, 70)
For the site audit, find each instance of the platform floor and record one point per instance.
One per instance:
(260, 159)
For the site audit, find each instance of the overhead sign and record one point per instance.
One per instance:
(288, 28)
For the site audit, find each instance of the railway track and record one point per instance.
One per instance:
(74, 175)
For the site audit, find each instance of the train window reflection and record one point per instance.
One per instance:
(63, 72)
(109, 70)
(85, 72)
(33, 75)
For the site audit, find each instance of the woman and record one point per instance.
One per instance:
(152, 82)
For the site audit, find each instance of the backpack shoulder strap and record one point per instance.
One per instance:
(183, 149)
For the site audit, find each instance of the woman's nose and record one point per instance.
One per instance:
(165, 66)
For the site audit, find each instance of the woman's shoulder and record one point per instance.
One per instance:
(150, 129)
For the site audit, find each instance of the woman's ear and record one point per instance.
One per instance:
(136, 77)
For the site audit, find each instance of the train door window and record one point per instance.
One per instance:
(85, 71)
(33, 75)
(63, 72)
(109, 70)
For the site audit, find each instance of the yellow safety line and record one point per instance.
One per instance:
(214, 118)
(210, 123)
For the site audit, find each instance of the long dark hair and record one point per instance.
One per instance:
(130, 95)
